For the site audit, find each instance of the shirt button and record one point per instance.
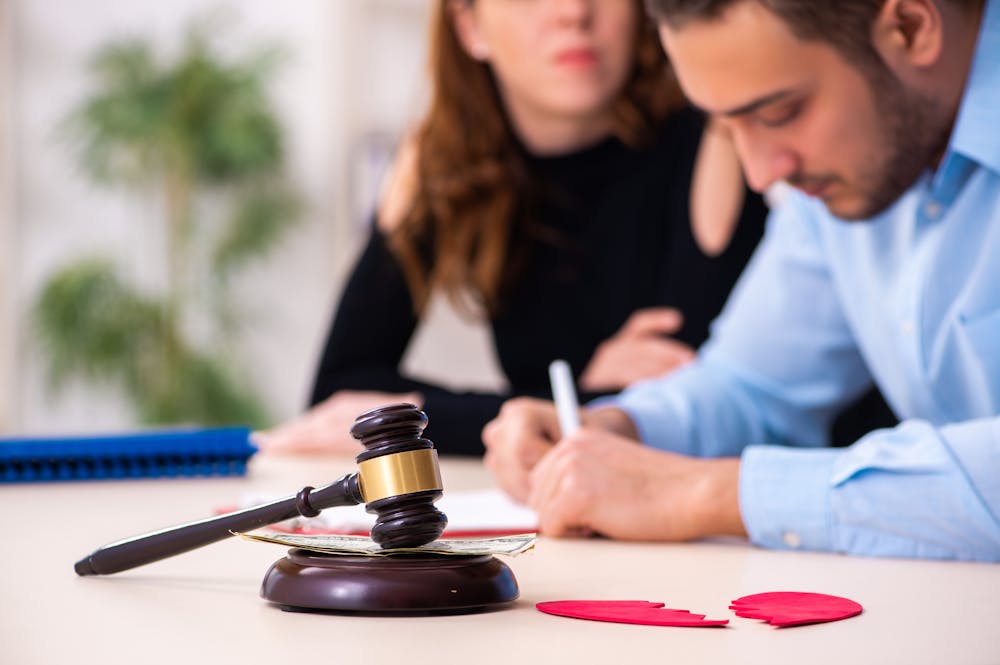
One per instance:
(908, 327)
(932, 209)
(792, 540)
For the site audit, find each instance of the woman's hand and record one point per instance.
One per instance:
(641, 349)
(326, 428)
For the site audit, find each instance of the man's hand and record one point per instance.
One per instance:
(641, 349)
(599, 482)
(524, 432)
(326, 428)
(516, 440)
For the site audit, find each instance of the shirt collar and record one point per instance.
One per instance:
(975, 134)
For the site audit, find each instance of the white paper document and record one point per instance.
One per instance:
(352, 545)
(479, 512)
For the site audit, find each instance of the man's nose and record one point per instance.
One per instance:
(764, 162)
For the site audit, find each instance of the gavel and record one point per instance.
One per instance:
(398, 479)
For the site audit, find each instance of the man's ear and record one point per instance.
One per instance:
(909, 35)
(463, 16)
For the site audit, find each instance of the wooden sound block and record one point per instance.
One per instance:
(399, 583)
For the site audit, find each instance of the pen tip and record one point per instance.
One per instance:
(83, 567)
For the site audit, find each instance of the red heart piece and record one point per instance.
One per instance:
(794, 608)
(626, 611)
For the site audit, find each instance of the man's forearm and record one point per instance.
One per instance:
(719, 503)
(611, 419)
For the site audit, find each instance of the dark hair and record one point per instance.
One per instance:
(459, 232)
(846, 24)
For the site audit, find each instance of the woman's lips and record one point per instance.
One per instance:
(577, 57)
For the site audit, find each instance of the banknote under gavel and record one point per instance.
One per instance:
(398, 480)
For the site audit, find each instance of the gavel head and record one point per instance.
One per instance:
(399, 476)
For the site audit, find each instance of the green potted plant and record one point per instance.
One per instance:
(199, 133)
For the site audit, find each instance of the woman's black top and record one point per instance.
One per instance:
(612, 235)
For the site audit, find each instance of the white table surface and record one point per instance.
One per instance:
(204, 607)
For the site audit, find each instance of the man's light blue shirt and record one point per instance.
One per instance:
(909, 300)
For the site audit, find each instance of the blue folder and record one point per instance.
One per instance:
(221, 451)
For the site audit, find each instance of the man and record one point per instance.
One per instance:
(884, 267)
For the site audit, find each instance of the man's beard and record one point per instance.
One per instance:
(916, 130)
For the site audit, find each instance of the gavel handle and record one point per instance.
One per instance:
(139, 550)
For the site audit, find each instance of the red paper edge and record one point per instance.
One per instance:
(699, 623)
(746, 607)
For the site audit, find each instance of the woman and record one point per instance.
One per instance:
(557, 186)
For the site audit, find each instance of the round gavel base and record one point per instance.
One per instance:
(401, 583)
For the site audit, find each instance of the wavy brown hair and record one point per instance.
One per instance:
(461, 233)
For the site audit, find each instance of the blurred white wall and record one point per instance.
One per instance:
(6, 220)
(352, 84)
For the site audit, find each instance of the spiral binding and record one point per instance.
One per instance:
(185, 452)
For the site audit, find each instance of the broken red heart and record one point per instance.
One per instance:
(794, 608)
(626, 611)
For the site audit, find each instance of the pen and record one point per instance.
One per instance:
(564, 394)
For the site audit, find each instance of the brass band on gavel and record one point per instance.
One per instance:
(398, 474)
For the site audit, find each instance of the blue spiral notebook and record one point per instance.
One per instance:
(222, 451)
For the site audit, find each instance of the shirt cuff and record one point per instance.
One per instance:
(785, 497)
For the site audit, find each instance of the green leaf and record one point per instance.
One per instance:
(261, 216)
(197, 128)
(90, 322)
